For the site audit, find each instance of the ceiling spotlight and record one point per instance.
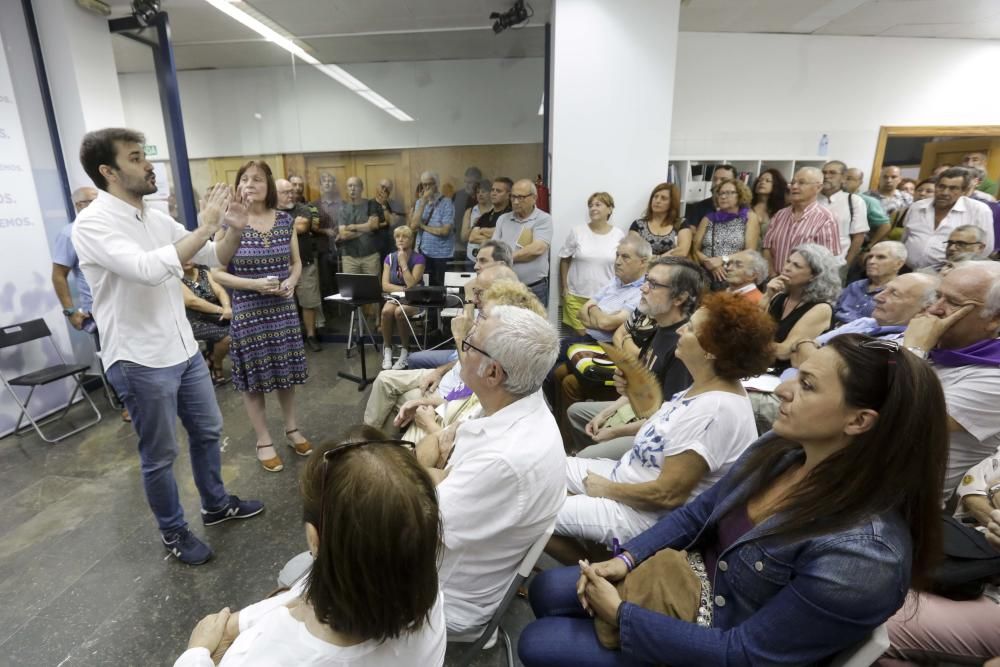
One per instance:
(516, 15)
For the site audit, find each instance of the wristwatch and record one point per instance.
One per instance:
(70, 312)
(919, 351)
(991, 492)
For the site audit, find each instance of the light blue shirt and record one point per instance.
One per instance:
(64, 254)
(613, 297)
(438, 214)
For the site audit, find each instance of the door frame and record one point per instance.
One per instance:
(887, 131)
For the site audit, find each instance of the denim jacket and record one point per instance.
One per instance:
(775, 602)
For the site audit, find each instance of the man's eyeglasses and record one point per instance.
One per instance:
(520, 197)
(332, 453)
(466, 346)
(962, 244)
(881, 344)
(652, 284)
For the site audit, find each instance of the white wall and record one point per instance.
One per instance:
(454, 102)
(774, 95)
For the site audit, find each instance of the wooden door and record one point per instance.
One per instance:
(952, 151)
(373, 166)
(341, 165)
(223, 170)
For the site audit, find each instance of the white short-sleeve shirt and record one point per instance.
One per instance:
(851, 213)
(593, 255)
(505, 485)
(925, 242)
(971, 395)
(717, 425)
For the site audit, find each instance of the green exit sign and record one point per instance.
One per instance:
(150, 149)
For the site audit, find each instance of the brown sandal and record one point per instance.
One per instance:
(301, 448)
(272, 464)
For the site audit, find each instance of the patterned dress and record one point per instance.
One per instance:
(205, 326)
(266, 351)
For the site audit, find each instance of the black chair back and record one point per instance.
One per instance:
(15, 334)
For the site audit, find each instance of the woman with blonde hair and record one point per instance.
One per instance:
(402, 270)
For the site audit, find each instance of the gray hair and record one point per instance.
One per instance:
(641, 246)
(977, 232)
(930, 290)
(814, 173)
(991, 302)
(531, 184)
(686, 278)
(894, 248)
(474, 172)
(501, 252)
(976, 172)
(758, 265)
(525, 345)
(825, 284)
(433, 175)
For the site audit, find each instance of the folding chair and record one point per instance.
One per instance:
(865, 653)
(523, 572)
(25, 332)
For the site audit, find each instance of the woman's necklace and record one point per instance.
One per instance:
(265, 235)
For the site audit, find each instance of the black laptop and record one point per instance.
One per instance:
(359, 286)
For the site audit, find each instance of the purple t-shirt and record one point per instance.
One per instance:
(391, 260)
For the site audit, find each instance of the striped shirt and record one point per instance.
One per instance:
(817, 225)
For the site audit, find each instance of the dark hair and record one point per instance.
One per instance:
(271, 198)
(375, 573)
(673, 209)
(98, 148)
(909, 438)
(956, 172)
(776, 200)
(738, 333)
(686, 278)
(501, 251)
(728, 167)
(903, 181)
(506, 181)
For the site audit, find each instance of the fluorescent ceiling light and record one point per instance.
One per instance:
(286, 41)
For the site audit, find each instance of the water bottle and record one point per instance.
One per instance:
(824, 146)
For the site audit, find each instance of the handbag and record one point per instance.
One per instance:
(590, 364)
(969, 562)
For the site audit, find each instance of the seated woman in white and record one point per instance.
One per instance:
(371, 597)
(685, 447)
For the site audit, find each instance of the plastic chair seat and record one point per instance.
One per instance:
(47, 375)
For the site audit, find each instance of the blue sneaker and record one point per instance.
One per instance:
(186, 547)
(234, 509)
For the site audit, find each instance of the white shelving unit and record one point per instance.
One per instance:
(690, 171)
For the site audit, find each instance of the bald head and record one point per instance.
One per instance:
(904, 297)
(522, 198)
(287, 194)
(83, 196)
(355, 187)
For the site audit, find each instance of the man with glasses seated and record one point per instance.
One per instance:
(528, 230)
(670, 293)
(958, 336)
(412, 388)
(965, 243)
(930, 222)
(744, 272)
(501, 477)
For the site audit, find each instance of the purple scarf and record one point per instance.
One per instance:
(983, 353)
(724, 216)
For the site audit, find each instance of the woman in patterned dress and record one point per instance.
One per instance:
(732, 227)
(267, 351)
(661, 223)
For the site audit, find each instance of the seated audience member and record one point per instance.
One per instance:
(493, 252)
(401, 270)
(929, 628)
(744, 272)
(730, 228)
(929, 222)
(904, 298)
(770, 195)
(209, 312)
(394, 388)
(802, 534)
(907, 185)
(670, 294)
(500, 477)
(881, 266)
(695, 211)
(587, 259)
(803, 221)
(602, 315)
(958, 335)
(800, 300)
(660, 225)
(964, 244)
(371, 510)
(425, 419)
(682, 449)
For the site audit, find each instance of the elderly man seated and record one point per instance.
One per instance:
(966, 243)
(958, 335)
(501, 477)
(494, 252)
(602, 315)
(392, 389)
(881, 266)
(744, 272)
(902, 299)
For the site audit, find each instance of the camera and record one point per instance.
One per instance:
(513, 16)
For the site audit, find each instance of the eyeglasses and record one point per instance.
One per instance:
(520, 197)
(881, 344)
(466, 346)
(726, 193)
(344, 446)
(964, 244)
(652, 284)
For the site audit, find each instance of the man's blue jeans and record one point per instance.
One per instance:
(155, 398)
(430, 358)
